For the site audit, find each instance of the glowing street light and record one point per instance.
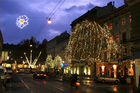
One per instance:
(31, 45)
(49, 21)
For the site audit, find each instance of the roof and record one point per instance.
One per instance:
(63, 36)
(96, 13)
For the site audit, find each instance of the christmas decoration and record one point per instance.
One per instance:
(22, 21)
(30, 62)
(58, 61)
(90, 41)
(49, 62)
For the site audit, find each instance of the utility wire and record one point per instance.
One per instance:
(57, 8)
(59, 4)
(54, 8)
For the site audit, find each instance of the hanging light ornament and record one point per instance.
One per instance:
(49, 21)
(59, 4)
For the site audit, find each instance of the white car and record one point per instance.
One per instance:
(108, 79)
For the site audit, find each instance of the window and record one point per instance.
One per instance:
(117, 38)
(111, 40)
(125, 50)
(123, 21)
(110, 26)
(130, 18)
(124, 36)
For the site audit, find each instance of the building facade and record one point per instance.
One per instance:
(1, 44)
(122, 23)
(57, 45)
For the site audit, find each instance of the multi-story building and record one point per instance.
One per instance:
(1, 43)
(123, 24)
(57, 45)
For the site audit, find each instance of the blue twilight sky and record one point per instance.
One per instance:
(37, 11)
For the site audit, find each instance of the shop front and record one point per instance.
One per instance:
(107, 69)
(82, 69)
(116, 69)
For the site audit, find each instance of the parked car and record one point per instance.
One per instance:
(107, 79)
(39, 74)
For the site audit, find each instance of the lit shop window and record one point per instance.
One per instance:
(130, 18)
(110, 26)
(123, 21)
(117, 38)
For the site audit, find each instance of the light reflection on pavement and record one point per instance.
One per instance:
(23, 83)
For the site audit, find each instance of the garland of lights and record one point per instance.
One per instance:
(56, 63)
(90, 41)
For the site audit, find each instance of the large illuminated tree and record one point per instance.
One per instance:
(58, 61)
(49, 62)
(90, 41)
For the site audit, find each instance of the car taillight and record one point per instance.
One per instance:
(77, 84)
(45, 75)
(38, 74)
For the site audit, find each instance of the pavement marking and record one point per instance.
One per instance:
(32, 92)
(25, 84)
(59, 89)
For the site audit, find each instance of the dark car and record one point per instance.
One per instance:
(39, 74)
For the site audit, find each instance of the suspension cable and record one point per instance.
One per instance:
(59, 4)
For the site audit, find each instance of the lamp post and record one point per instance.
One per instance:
(30, 54)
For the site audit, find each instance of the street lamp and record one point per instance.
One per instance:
(31, 45)
(49, 21)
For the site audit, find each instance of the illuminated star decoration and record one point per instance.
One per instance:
(22, 21)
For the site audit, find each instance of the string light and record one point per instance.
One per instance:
(91, 41)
